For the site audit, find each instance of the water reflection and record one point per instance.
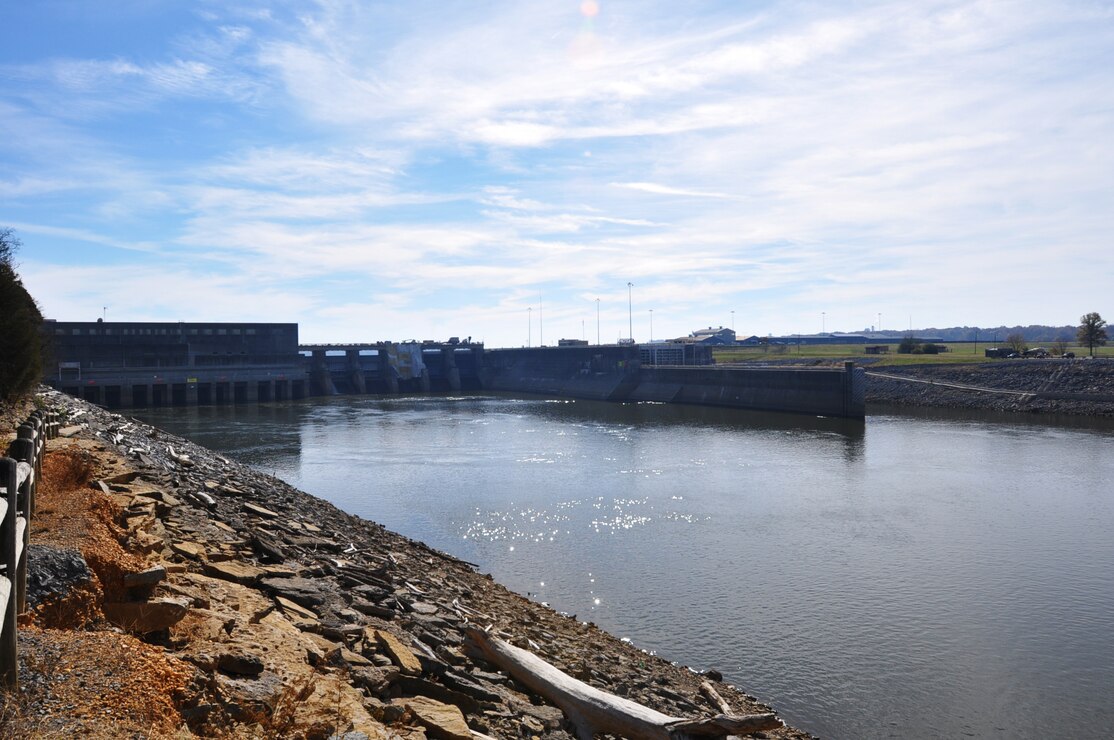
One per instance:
(926, 574)
(270, 435)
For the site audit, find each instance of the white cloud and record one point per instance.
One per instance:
(656, 189)
(806, 158)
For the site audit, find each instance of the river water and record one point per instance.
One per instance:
(922, 575)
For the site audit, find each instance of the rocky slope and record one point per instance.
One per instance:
(181, 594)
(1081, 387)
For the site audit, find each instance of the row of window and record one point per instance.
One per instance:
(163, 331)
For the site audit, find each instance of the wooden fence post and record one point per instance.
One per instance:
(9, 666)
(25, 449)
(17, 504)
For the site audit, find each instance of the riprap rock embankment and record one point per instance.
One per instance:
(1082, 387)
(278, 614)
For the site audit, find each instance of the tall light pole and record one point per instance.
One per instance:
(732, 319)
(630, 312)
(597, 322)
(823, 319)
(529, 324)
(651, 326)
(541, 336)
(879, 321)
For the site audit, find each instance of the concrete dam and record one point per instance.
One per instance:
(616, 373)
(175, 364)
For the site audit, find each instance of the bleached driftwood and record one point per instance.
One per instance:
(592, 711)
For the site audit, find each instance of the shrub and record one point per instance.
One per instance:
(908, 345)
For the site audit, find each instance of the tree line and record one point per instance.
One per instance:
(20, 319)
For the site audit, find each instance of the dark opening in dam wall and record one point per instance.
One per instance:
(176, 364)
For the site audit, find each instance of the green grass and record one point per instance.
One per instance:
(964, 353)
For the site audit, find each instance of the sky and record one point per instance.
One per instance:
(525, 171)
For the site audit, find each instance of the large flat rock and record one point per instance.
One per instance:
(442, 721)
(142, 617)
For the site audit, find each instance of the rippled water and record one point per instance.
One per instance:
(919, 576)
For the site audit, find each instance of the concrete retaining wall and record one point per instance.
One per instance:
(614, 374)
(821, 391)
(597, 373)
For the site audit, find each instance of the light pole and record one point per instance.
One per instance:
(732, 319)
(529, 324)
(597, 322)
(823, 318)
(651, 326)
(630, 312)
(541, 336)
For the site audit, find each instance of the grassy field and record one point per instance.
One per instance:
(956, 354)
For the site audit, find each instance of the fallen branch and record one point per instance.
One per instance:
(593, 712)
(713, 696)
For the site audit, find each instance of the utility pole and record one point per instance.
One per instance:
(529, 324)
(630, 312)
(597, 322)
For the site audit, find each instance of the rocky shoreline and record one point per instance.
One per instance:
(1081, 387)
(271, 613)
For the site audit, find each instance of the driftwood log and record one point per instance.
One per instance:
(594, 712)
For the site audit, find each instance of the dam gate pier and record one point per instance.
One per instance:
(389, 367)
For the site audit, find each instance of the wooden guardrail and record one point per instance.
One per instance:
(19, 476)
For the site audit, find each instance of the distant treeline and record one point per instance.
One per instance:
(1032, 333)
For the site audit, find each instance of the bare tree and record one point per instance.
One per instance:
(1016, 342)
(1092, 331)
(9, 245)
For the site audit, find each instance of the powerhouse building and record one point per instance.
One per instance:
(179, 363)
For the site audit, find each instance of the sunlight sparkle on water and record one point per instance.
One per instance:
(599, 514)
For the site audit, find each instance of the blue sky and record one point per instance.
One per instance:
(380, 170)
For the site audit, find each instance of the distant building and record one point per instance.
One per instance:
(714, 337)
(572, 342)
